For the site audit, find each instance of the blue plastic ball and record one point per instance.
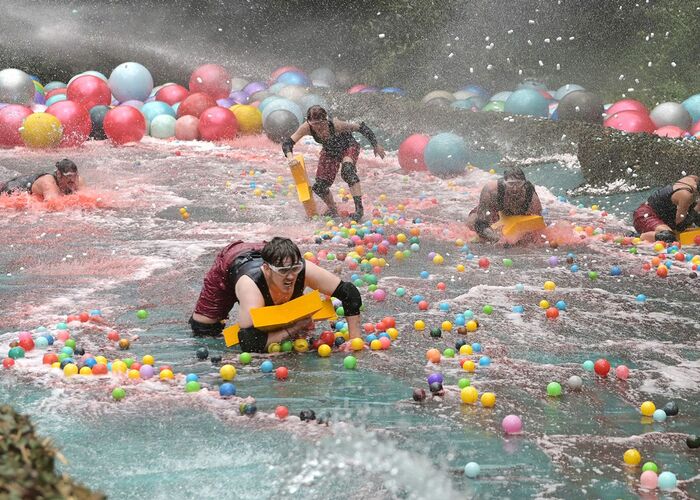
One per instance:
(425, 275)
(588, 365)
(370, 338)
(227, 389)
(460, 320)
(519, 287)
(41, 343)
(574, 268)
(476, 347)
(155, 108)
(90, 362)
(472, 470)
(561, 305)
(459, 343)
(659, 415)
(641, 298)
(615, 271)
(339, 341)
(444, 306)
(468, 314)
(191, 377)
(484, 361)
(518, 309)
(667, 481)
(416, 298)
(266, 366)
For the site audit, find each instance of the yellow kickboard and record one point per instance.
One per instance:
(231, 335)
(519, 224)
(301, 180)
(688, 237)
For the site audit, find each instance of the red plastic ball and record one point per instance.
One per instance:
(172, 93)
(89, 91)
(195, 104)
(75, 120)
(27, 344)
(281, 373)
(83, 317)
(316, 343)
(697, 240)
(113, 336)
(602, 367)
(552, 312)
(411, 152)
(49, 358)
(8, 363)
(328, 338)
(281, 412)
(484, 263)
(217, 123)
(124, 124)
(211, 79)
(680, 257)
(423, 305)
(390, 322)
(11, 118)
(662, 271)
(368, 327)
(99, 369)
(441, 286)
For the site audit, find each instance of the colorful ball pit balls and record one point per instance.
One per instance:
(602, 367)
(574, 383)
(227, 389)
(433, 356)
(512, 424)
(588, 365)
(350, 362)
(469, 366)
(469, 395)
(647, 408)
(659, 415)
(192, 386)
(649, 480)
(266, 366)
(472, 470)
(146, 371)
(227, 372)
(124, 344)
(41, 130)
(622, 372)
(554, 389)
(282, 373)
(650, 466)
(671, 409)
(8, 363)
(324, 350)
(488, 400)
(245, 358)
(282, 412)
(667, 481)
(118, 393)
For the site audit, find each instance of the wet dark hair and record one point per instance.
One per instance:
(278, 249)
(316, 112)
(65, 166)
(514, 173)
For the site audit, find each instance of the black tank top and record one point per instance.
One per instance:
(249, 264)
(501, 198)
(336, 143)
(22, 183)
(660, 201)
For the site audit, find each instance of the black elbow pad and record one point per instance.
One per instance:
(288, 146)
(350, 296)
(367, 132)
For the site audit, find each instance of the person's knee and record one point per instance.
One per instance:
(321, 187)
(665, 235)
(348, 172)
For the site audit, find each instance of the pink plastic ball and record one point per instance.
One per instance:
(24, 335)
(11, 118)
(63, 335)
(187, 128)
(89, 91)
(670, 131)
(631, 121)
(622, 372)
(385, 342)
(649, 480)
(379, 295)
(146, 371)
(512, 424)
(172, 93)
(124, 124)
(212, 80)
(626, 105)
(75, 120)
(217, 123)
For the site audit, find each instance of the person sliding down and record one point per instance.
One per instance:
(340, 151)
(65, 180)
(260, 275)
(512, 195)
(672, 208)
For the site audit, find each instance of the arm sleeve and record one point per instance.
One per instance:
(288, 146)
(350, 296)
(367, 132)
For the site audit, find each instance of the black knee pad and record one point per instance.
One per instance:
(348, 173)
(321, 187)
(665, 236)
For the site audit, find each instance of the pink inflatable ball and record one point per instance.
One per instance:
(11, 118)
(75, 120)
(211, 79)
(195, 104)
(411, 153)
(630, 121)
(622, 372)
(356, 88)
(238, 97)
(89, 91)
(670, 131)
(124, 124)
(512, 424)
(217, 123)
(275, 74)
(649, 480)
(172, 93)
(671, 113)
(626, 105)
(187, 128)
(133, 103)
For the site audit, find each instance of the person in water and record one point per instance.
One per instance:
(259, 275)
(511, 195)
(672, 208)
(340, 151)
(64, 180)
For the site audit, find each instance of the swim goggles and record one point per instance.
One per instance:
(285, 270)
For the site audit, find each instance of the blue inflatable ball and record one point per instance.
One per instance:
(227, 389)
(531, 83)
(615, 271)
(130, 80)
(54, 85)
(286, 105)
(266, 366)
(191, 377)
(393, 90)
(476, 89)
(527, 101)
(566, 89)
(154, 108)
(561, 305)
(484, 361)
(56, 98)
(667, 481)
(163, 127)
(500, 96)
(446, 155)
(294, 78)
(691, 105)
(444, 306)
(309, 100)
(97, 117)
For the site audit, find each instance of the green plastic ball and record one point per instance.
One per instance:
(554, 389)
(507, 263)
(358, 283)
(449, 353)
(16, 353)
(142, 314)
(70, 343)
(650, 466)
(287, 346)
(340, 311)
(588, 365)
(192, 386)
(118, 393)
(488, 309)
(372, 288)
(245, 358)
(128, 362)
(463, 382)
(593, 275)
(350, 362)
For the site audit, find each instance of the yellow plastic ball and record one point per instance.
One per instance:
(459, 242)
(488, 400)
(86, 370)
(466, 350)
(659, 247)
(70, 369)
(632, 457)
(101, 359)
(227, 372)
(324, 350)
(398, 255)
(148, 360)
(419, 325)
(648, 408)
(309, 256)
(274, 347)
(134, 374)
(595, 208)
(544, 304)
(375, 345)
(469, 366)
(492, 171)
(249, 119)
(41, 130)
(166, 375)
(472, 325)
(357, 344)
(393, 333)
(469, 395)
(56, 364)
(549, 286)
(257, 192)
(438, 259)
(446, 326)
(183, 210)
(118, 366)
(460, 268)
(401, 238)
(301, 345)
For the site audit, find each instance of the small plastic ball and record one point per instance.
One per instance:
(512, 424)
(113, 336)
(281, 412)
(266, 366)
(622, 372)
(602, 367)
(667, 481)
(476, 347)
(142, 314)
(192, 386)
(472, 470)
(245, 358)
(357, 344)
(324, 350)
(488, 400)
(433, 355)
(574, 383)
(350, 362)
(227, 372)
(274, 347)
(488, 309)
(554, 389)
(649, 480)
(632, 457)
(436, 388)
(449, 353)
(472, 325)
(465, 382)
(693, 441)
(70, 369)
(549, 285)
(552, 313)
(281, 373)
(671, 408)
(124, 344)
(287, 346)
(435, 332)
(469, 395)
(227, 389)
(118, 393)
(659, 415)
(419, 325)
(164, 374)
(648, 408)
(588, 365)
(484, 361)
(146, 371)
(466, 350)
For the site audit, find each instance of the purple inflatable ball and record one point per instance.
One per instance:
(225, 103)
(254, 87)
(239, 97)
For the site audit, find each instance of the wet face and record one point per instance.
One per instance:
(320, 127)
(515, 188)
(283, 277)
(68, 182)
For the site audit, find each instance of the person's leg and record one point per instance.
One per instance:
(650, 226)
(348, 172)
(326, 171)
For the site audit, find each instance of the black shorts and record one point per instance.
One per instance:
(206, 329)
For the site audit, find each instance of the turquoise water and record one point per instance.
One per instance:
(135, 251)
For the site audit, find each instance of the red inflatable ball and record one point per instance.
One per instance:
(275, 74)
(75, 120)
(54, 92)
(626, 105)
(195, 104)
(602, 367)
(217, 123)
(11, 118)
(670, 131)
(172, 93)
(187, 128)
(89, 91)
(211, 79)
(631, 121)
(411, 153)
(124, 124)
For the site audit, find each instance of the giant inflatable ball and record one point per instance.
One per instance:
(626, 105)
(11, 118)
(97, 117)
(671, 113)
(283, 104)
(41, 130)
(564, 90)
(249, 119)
(131, 81)
(217, 123)
(322, 77)
(527, 101)
(446, 155)
(124, 124)
(75, 122)
(16, 87)
(195, 104)
(89, 91)
(211, 79)
(280, 124)
(692, 106)
(411, 153)
(171, 93)
(438, 98)
(630, 121)
(581, 106)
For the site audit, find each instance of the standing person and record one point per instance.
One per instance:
(64, 180)
(260, 275)
(669, 209)
(340, 151)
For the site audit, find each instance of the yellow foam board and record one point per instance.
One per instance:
(276, 317)
(688, 237)
(301, 180)
(515, 224)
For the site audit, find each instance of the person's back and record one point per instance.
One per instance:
(65, 180)
(22, 183)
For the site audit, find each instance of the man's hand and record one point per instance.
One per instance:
(489, 235)
(379, 151)
(293, 163)
(300, 327)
